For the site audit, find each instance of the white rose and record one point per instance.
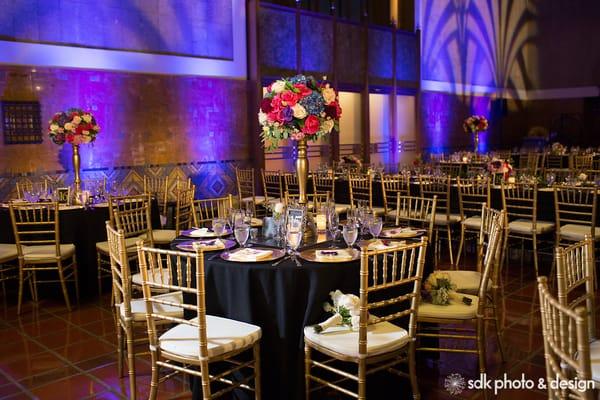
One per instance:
(351, 302)
(69, 127)
(262, 118)
(328, 95)
(582, 177)
(53, 127)
(278, 86)
(76, 119)
(299, 111)
(327, 125)
(87, 118)
(278, 208)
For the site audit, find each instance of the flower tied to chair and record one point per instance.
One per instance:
(438, 289)
(345, 310)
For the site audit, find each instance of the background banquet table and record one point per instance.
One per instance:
(83, 227)
(282, 300)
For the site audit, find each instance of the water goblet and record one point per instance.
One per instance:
(241, 233)
(333, 221)
(350, 234)
(375, 226)
(218, 226)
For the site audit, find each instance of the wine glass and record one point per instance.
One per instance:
(218, 226)
(333, 221)
(294, 238)
(375, 226)
(241, 232)
(350, 234)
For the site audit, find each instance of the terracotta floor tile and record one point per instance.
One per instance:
(8, 389)
(73, 387)
(28, 365)
(48, 376)
(87, 349)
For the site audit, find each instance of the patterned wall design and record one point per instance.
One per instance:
(277, 37)
(349, 57)
(380, 51)
(200, 28)
(407, 61)
(317, 44)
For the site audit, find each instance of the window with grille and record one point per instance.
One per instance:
(21, 122)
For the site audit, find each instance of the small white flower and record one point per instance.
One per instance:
(582, 177)
(327, 126)
(262, 118)
(278, 86)
(328, 95)
(69, 127)
(278, 208)
(299, 111)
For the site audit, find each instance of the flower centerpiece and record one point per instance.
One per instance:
(558, 149)
(498, 166)
(438, 289)
(75, 127)
(299, 108)
(474, 125)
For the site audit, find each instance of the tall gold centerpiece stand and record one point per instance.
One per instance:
(76, 170)
(476, 142)
(302, 171)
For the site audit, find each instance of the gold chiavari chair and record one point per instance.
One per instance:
(158, 187)
(452, 321)
(361, 191)
(566, 346)
(192, 345)
(520, 203)
(8, 271)
(184, 215)
(529, 163)
(575, 277)
(419, 211)
(381, 342)
(206, 210)
(324, 182)
(472, 192)
(575, 208)
(314, 200)
(444, 219)
(247, 190)
(290, 183)
(554, 161)
(560, 175)
(37, 234)
(272, 186)
(450, 169)
(130, 314)
(583, 162)
(393, 186)
(29, 186)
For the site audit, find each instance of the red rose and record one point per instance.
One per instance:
(276, 103)
(70, 137)
(304, 91)
(274, 116)
(290, 98)
(333, 110)
(311, 125)
(265, 105)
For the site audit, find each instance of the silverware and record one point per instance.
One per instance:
(280, 261)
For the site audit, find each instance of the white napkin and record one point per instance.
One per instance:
(250, 255)
(400, 232)
(201, 232)
(333, 255)
(216, 244)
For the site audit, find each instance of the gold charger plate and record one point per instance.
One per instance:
(277, 254)
(310, 255)
(188, 245)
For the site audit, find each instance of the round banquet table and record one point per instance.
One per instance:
(282, 300)
(83, 227)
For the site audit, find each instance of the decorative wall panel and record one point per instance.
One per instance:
(317, 44)
(277, 38)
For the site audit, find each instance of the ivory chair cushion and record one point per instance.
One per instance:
(595, 359)
(223, 335)
(47, 253)
(525, 226)
(130, 245)
(138, 307)
(577, 232)
(472, 223)
(8, 252)
(381, 338)
(454, 310)
(163, 236)
(466, 281)
(443, 219)
(136, 279)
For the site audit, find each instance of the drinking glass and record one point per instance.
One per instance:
(375, 225)
(218, 226)
(333, 221)
(294, 238)
(241, 233)
(350, 234)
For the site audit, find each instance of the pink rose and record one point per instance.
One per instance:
(311, 125)
(276, 103)
(304, 91)
(289, 98)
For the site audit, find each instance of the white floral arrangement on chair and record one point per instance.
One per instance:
(438, 289)
(345, 310)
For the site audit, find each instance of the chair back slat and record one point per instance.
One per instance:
(324, 182)
(390, 284)
(184, 209)
(416, 211)
(245, 184)
(519, 200)
(272, 184)
(393, 186)
(566, 345)
(472, 192)
(438, 186)
(35, 224)
(291, 185)
(131, 214)
(158, 187)
(361, 189)
(575, 275)
(575, 205)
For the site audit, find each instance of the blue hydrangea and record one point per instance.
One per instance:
(299, 79)
(313, 103)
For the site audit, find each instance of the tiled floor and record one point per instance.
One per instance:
(49, 353)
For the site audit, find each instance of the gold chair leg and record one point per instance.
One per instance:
(535, 255)
(307, 361)
(257, 374)
(99, 263)
(412, 370)
(130, 361)
(481, 348)
(461, 244)
(76, 277)
(119, 350)
(63, 286)
(154, 379)
(205, 380)
(449, 233)
(362, 380)
(20, 297)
